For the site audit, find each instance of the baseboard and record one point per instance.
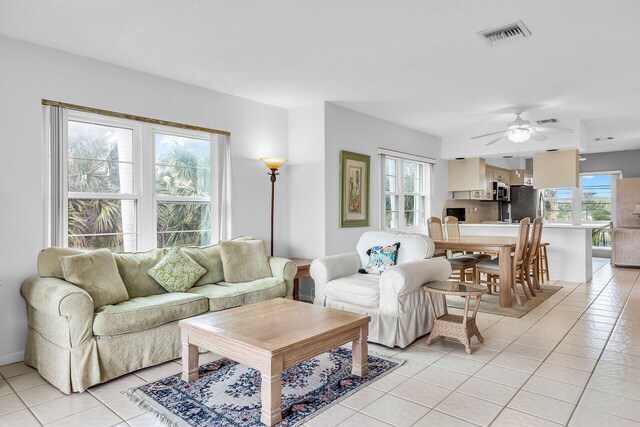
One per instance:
(6, 359)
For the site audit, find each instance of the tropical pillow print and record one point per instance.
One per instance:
(176, 272)
(381, 258)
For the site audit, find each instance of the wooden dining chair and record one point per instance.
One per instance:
(459, 264)
(452, 227)
(533, 255)
(543, 262)
(492, 268)
(434, 229)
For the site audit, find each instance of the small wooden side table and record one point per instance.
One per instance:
(303, 271)
(462, 327)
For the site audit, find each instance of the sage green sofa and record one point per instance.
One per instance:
(74, 347)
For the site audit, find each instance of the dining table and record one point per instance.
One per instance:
(503, 246)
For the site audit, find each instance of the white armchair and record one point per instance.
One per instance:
(394, 299)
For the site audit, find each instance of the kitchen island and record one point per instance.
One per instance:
(569, 252)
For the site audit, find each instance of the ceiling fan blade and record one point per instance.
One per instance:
(538, 136)
(496, 140)
(489, 134)
(550, 129)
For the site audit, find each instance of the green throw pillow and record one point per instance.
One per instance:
(177, 272)
(97, 273)
(244, 261)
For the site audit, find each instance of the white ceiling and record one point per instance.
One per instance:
(418, 63)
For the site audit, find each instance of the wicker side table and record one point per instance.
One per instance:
(462, 327)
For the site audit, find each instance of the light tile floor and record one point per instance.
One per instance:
(573, 360)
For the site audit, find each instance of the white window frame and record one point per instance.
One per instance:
(144, 164)
(576, 200)
(427, 187)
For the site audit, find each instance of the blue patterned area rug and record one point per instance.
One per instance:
(228, 393)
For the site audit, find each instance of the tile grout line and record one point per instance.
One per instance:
(21, 400)
(602, 351)
(564, 336)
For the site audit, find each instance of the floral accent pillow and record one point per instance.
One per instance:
(176, 272)
(381, 258)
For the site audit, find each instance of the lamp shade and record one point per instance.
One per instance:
(273, 162)
(637, 210)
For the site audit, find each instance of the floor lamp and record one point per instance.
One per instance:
(273, 164)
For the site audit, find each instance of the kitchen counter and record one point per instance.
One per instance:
(515, 225)
(570, 249)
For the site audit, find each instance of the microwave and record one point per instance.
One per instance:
(500, 191)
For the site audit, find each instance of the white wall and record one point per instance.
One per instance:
(352, 131)
(29, 73)
(307, 186)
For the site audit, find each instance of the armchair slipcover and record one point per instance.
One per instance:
(394, 300)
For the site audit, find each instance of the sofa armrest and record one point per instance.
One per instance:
(55, 297)
(411, 276)
(285, 269)
(324, 270)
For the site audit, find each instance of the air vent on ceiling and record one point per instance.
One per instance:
(506, 32)
(547, 121)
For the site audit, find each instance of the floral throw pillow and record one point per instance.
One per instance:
(381, 258)
(176, 272)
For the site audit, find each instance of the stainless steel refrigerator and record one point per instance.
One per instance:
(526, 202)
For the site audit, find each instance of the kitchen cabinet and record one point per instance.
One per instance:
(556, 169)
(501, 175)
(466, 175)
(521, 177)
(469, 195)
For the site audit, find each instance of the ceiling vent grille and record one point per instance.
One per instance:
(506, 32)
(547, 121)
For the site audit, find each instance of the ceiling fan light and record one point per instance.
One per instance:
(519, 135)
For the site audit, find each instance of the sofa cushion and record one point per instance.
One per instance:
(177, 272)
(244, 261)
(209, 258)
(139, 314)
(360, 289)
(97, 273)
(49, 264)
(227, 295)
(134, 267)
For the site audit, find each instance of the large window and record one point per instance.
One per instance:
(558, 204)
(591, 203)
(131, 186)
(406, 193)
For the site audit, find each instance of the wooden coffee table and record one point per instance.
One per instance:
(272, 336)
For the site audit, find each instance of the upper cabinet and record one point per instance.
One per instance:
(556, 169)
(467, 175)
(521, 177)
(501, 175)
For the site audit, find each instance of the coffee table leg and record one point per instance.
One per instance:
(360, 353)
(271, 393)
(189, 358)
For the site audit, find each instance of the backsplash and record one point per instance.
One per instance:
(476, 211)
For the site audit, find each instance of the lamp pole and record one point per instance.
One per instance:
(273, 164)
(273, 174)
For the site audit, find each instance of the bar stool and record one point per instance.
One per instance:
(543, 262)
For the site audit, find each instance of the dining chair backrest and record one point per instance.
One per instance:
(522, 242)
(534, 243)
(452, 226)
(434, 228)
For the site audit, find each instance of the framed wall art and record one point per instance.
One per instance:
(354, 189)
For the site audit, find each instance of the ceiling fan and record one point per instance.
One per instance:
(521, 131)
